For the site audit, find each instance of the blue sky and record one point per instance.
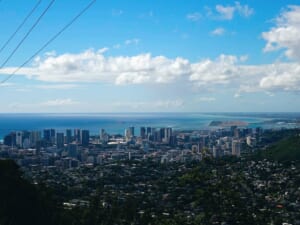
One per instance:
(153, 56)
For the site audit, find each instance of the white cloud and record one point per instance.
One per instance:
(60, 102)
(91, 66)
(226, 71)
(228, 12)
(286, 77)
(196, 16)
(102, 50)
(218, 31)
(286, 33)
(243, 10)
(221, 71)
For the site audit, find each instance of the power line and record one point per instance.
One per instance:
(49, 41)
(20, 26)
(27, 34)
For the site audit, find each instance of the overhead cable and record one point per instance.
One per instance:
(49, 41)
(27, 34)
(20, 26)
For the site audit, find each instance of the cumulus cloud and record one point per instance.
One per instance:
(91, 66)
(226, 71)
(60, 102)
(220, 71)
(194, 16)
(218, 31)
(285, 77)
(227, 12)
(286, 33)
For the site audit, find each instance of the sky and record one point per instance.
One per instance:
(152, 56)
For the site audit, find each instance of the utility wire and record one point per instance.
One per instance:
(27, 34)
(49, 41)
(20, 26)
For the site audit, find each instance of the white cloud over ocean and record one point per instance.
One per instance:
(226, 70)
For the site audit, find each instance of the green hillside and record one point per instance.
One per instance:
(22, 202)
(287, 149)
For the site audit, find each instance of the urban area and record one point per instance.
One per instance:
(161, 175)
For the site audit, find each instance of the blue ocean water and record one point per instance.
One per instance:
(115, 123)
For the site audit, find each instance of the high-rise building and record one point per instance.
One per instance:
(59, 140)
(167, 134)
(26, 139)
(77, 133)
(143, 132)
(52, 136)
(85, 137)
(217, 151)
(104, 137)
(127, 134)
(173, 140)
(236, 148)
(10, 139)
(34, 137)
(157, 136)
(236, 133)
(131, 131)
(68, 136)
(149, 131)
(19, 138)
(49, 135)
(101, 134)
(72, 150)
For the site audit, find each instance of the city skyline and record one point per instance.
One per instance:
(170, 56)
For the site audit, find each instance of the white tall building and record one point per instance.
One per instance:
(19, 138)
(236, 148)
(251, 141)
(167, 134)
(129, 133)
(102, 133)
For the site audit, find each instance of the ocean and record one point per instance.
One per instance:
(115, 123)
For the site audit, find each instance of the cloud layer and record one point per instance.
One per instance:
(286, 33)
(226, 70)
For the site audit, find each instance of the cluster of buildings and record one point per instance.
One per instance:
(35, 139)
(72, 148)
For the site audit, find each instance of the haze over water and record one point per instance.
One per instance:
(115, 123)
